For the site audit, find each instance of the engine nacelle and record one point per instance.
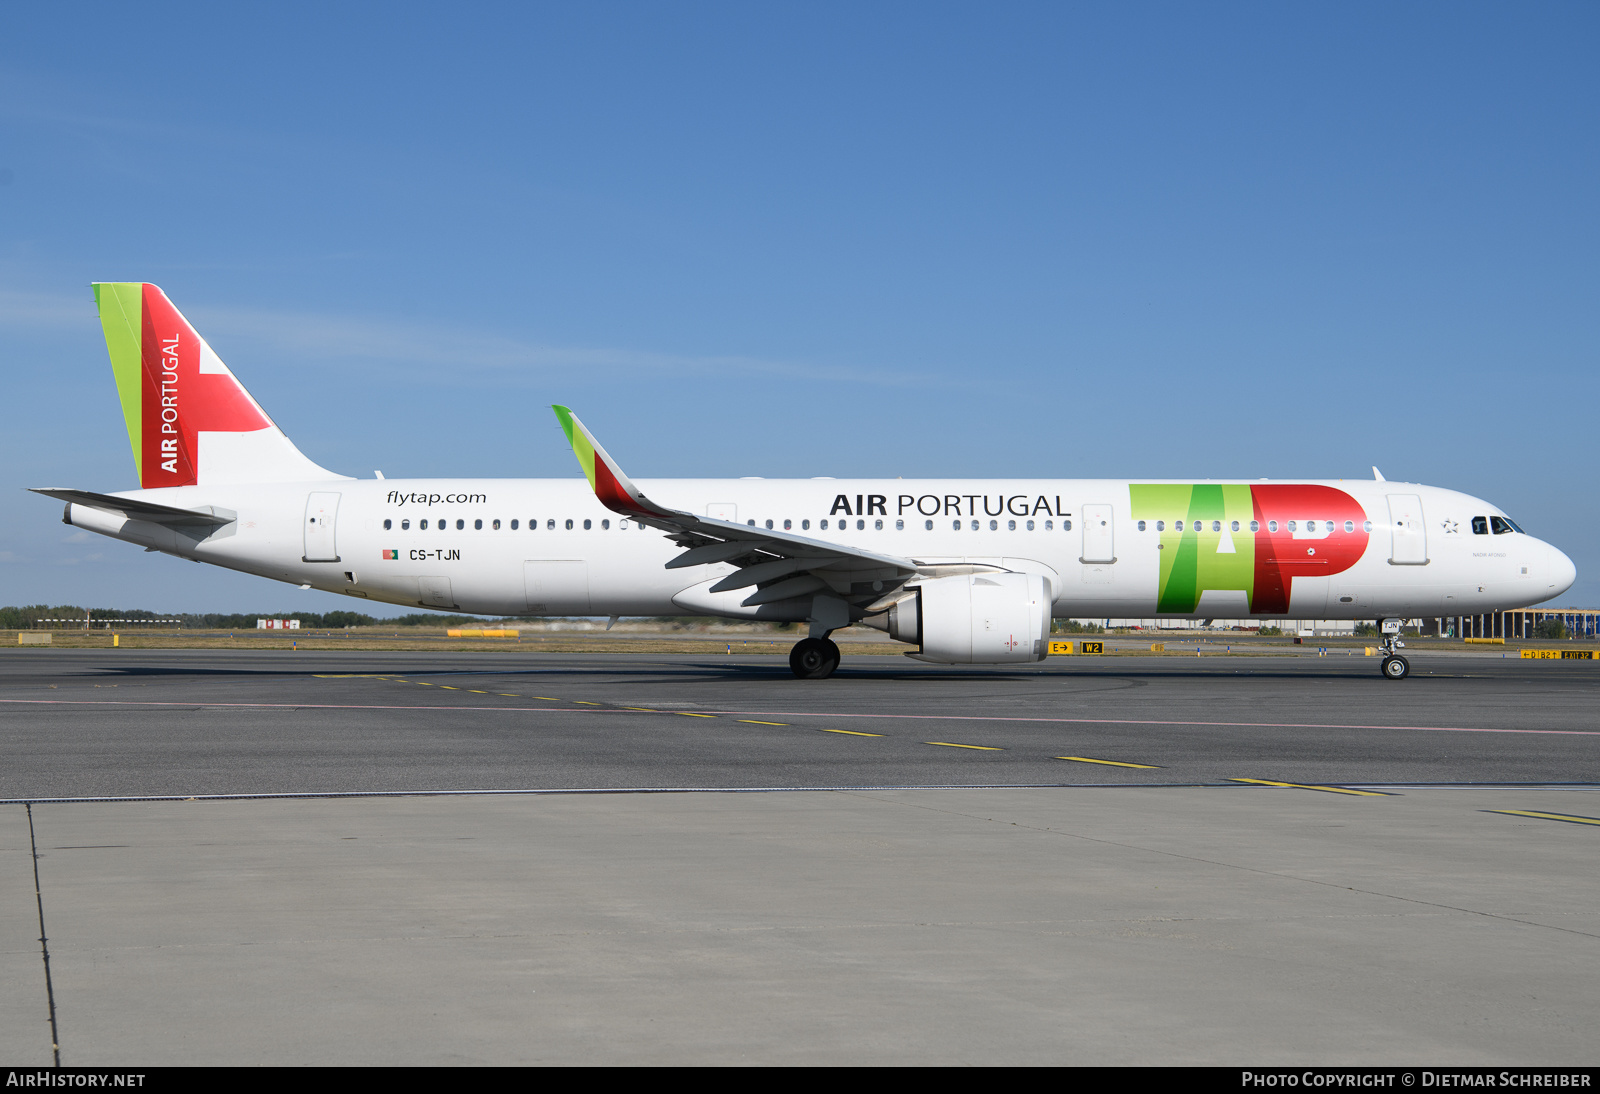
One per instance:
(973, 619)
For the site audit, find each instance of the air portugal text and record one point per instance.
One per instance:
(169, 403)
(950, 505)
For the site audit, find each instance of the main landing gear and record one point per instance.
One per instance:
(814, 658)
(1395, 667)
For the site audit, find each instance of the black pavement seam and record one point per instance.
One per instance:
(44, 943)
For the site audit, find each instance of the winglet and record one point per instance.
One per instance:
(1377, 476)
(614, 489)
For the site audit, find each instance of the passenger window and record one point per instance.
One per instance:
(878, 525)
(823, 525)
(515, 525)
(495, 525)
(477, 525)
(1500, 525)
(405, 525)
(622, 525)
(1255, 526)
(1161, 526)
(1011, 526)
(1272, 526)
(787, 524)
(442, 525)
(805, 525)
(606, 524)
(955, 526)
(751, 523)
(569, 524)
(769, 524)
(1366, 526)
(1066, 526)
(994, 526)
(423, 525)
(1177, 525)
(550, 525)
(899, 526)
(1480, 526)
(461, 525)
(387, 524)
(1216, 526)
(927, 526)
(586, 524)
(1030, 526)
(1235, 526)
(974, 526)
(1349, 526)
(1291, 526)
(1049, 525)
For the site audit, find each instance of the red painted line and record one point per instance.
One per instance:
(312, 706)
(802, 714)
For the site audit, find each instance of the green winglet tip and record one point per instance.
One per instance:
(564, 416)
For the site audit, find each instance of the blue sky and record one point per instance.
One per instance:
(793, 240)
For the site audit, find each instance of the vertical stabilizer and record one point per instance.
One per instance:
(190, 422)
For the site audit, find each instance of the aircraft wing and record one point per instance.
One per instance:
(139, 510)
(779, 564)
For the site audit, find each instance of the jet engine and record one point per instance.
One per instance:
(972, 619)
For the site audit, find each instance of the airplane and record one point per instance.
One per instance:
(963, 571)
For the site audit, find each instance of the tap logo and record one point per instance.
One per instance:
(1251, 538)
(388, 554)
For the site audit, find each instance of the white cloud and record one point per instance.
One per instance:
(320, 337)
(32, 310)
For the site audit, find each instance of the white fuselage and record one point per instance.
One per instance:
(451, 544)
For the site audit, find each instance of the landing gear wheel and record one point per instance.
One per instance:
(1396, 667)
(814, 658)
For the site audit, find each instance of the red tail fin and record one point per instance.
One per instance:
(189, 420)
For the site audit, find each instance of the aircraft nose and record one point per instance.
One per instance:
(1558, 571)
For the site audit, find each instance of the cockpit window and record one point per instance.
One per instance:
(1480, 526)
(1501, 526)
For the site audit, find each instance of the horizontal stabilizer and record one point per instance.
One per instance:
(132, 509)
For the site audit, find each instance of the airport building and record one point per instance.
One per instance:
(1579, 622)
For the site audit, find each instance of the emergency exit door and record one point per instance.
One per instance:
(1098, 545)
(322, 509)
(1409, 546)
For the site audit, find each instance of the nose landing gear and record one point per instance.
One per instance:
(814, 658)
(1395, 667)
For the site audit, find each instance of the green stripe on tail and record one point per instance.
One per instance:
(121, 307)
